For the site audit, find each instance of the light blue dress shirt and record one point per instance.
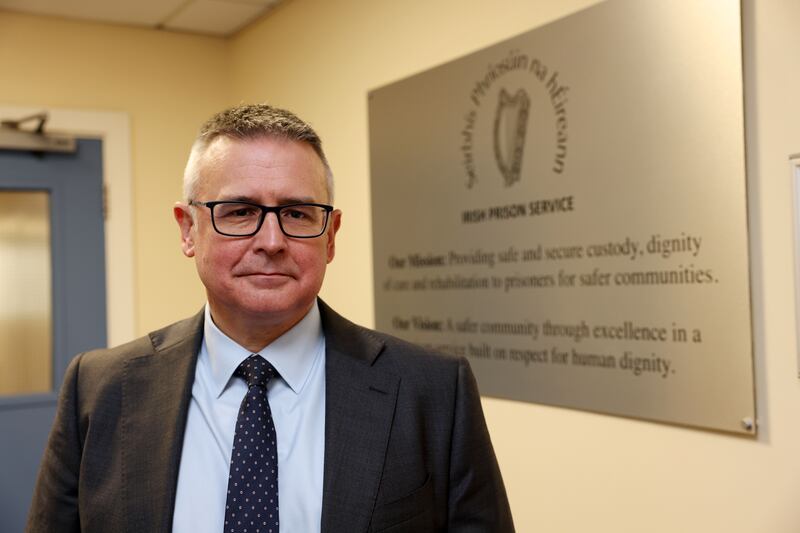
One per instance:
(297, 401)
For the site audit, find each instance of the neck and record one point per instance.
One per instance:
(253, 332)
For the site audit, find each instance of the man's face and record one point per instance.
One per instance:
(269, 277)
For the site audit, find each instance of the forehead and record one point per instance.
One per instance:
(268, 169)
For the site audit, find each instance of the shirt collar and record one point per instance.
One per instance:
(292, 354)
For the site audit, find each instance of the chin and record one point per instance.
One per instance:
(275, 304)
(284, 302)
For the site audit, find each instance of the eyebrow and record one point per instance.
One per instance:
(281, 201)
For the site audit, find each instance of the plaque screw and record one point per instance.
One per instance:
(747, 424)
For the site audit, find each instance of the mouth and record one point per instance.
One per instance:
(265, 275)
(266, 280)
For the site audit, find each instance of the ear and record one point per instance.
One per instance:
(334, 222)
(183, 216)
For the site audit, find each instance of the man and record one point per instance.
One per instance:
(266, 411)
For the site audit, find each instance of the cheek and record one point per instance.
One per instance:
(205, 267)
(313, 261)
(213, 262)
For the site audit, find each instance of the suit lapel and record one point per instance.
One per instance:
(360, 403)
(155, 401)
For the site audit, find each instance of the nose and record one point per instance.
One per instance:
(270, 237)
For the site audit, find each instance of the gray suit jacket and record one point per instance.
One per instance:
(406, 445)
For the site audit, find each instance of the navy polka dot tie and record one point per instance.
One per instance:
(252, 504)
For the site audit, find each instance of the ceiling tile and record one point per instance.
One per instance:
(138, 12)
(215, 17)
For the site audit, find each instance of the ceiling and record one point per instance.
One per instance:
(210, 17)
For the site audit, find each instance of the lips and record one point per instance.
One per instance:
(262, 270)
(266, 275)
(265, 272)
(266, 280)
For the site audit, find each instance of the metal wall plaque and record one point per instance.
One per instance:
(567, 209)
(794, 161)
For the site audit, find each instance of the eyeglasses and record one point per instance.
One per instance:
(244, 219)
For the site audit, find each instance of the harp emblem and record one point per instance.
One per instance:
(510, 127)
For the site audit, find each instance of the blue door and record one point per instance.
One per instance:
(52, 300)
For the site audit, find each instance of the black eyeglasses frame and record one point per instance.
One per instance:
(265, 210)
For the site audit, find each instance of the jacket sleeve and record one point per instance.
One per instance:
(55, 497)
(477, 500)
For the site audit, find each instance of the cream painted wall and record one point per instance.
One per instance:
(168, 84)
(566, 471)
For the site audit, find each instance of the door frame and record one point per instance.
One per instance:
(113, 128)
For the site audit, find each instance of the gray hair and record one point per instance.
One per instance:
(252, 121)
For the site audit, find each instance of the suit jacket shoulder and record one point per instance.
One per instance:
(112, 456)
(407, 448)
(374, 347)
(104, 367)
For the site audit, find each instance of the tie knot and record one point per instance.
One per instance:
(255, 370)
